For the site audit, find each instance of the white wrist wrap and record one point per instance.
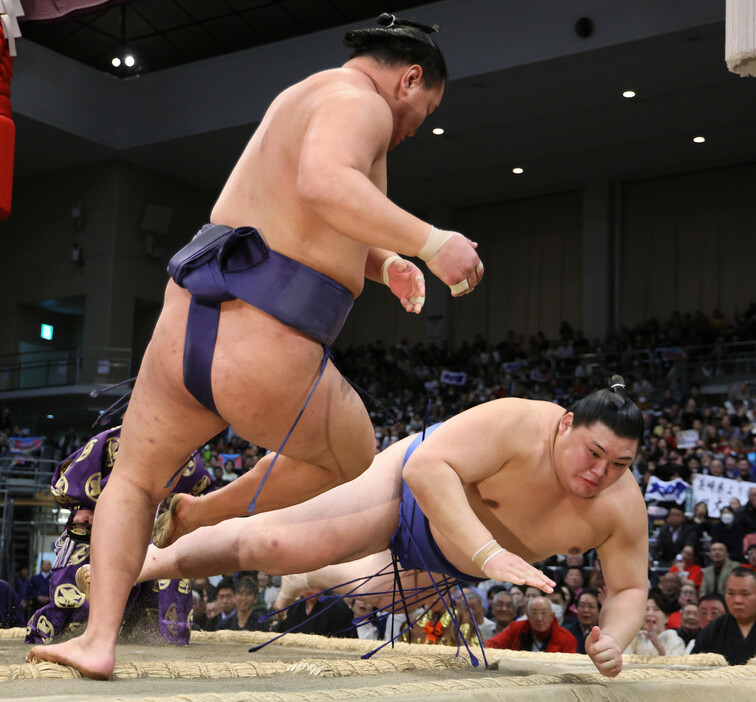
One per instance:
(436, 239)
(385, 267)
(486, 552)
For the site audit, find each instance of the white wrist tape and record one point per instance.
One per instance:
(436, 239)
(385, 267)
(486, 552)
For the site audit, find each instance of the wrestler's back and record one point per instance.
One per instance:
(262, 190)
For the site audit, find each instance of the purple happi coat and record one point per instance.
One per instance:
(158, 609)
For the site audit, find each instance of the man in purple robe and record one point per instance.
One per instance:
(158, 609)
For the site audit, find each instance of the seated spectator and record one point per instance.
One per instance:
(244, 617)
(751, 557)
(199, 611)
(715, 575)
(365, 619)
(569, 601)
(687, 564)
(518, 595)
(653, 639)
(268, 591)
(733, 634)
(588, 608)
(701, 519)
(670, 586)
(676, 533)
(491, 587)
(574, 578)
(320, 615)
(558, 603)
(689, 626)
(11, 611)
(710, 607)
(746, 515)
(729, 533)
(503, 610)
(224, 596)
(476, 603)
(539, 632)
(687, 595)
(229, 471)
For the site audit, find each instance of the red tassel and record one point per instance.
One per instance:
(7, 129)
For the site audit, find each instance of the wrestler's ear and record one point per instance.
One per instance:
(565, 423)
(412, 77)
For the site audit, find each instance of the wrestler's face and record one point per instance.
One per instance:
(588, 459)
(415, 102)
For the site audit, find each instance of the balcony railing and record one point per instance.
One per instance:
(65, 367)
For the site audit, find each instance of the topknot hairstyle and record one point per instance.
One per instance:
(612, 407)
(398, 41)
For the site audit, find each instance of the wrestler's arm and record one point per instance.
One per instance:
(624, 562)
(347, 137)
(468, 449)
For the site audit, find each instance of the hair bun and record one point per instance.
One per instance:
(386, 19)
(617, 381)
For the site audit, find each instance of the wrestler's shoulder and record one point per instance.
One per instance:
(526, 414)
(624, 500)
(337, 82)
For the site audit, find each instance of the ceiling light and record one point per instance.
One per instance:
(116, 62)
(129, 60)
(438, 130)
(518, 170)
(699, 139)
(628, 94)
(51, 416)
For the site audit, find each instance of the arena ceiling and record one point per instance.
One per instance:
(541, 99)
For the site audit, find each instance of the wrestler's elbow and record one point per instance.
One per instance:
(418, 474)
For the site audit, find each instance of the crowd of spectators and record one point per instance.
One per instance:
(691, 555)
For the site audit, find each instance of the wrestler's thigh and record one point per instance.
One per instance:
(261, 380)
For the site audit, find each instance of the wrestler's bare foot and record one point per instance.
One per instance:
(83, 579)
(172, 524)
(90, 661)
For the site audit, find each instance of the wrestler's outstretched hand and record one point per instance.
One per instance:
(457, 264)
(510, 568)
(407, 282)
(604, 651)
